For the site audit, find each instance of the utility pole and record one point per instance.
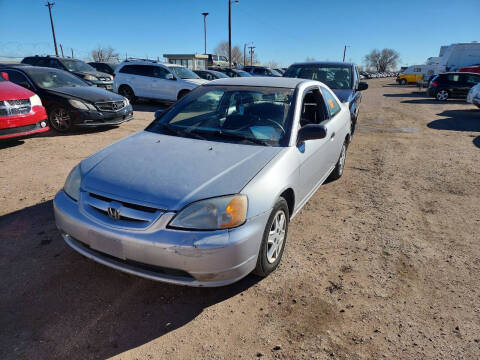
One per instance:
(344, 51)
(251, 54)
(205, 14)
(72, 52)
(244, 54)
(230, 31)
(61, 49)
(49, 5)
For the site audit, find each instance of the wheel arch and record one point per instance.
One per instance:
(289, 196)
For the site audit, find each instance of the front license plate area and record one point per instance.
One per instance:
(106, 245)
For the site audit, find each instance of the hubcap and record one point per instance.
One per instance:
(61, 119)
(442, 95)
(276, 237)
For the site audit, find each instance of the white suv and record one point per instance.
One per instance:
(152, 80)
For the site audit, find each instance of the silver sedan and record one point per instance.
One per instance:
(204, 195)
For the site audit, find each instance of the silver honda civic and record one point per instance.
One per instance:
(204, 195)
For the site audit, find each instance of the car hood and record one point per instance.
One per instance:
(196, 81)
(344, 95)
(11, 91)
(90, 93)
(169, 172)
(92, 72)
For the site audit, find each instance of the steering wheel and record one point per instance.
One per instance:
(276, 124)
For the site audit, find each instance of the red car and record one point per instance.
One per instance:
(21, 111)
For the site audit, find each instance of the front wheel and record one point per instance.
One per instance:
(60, 119)
(403, 82)
(442, 95)
(274, 239)
(340, 166)
(126, 91)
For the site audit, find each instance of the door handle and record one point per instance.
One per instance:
(332, 136)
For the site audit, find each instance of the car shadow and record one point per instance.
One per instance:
(458, 120)
(415, 94)
(476, 141)
(150, 106)
(57, 304)
(76, 131)
(10, 143)
(433, 101)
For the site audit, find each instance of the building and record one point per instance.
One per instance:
(190, 61)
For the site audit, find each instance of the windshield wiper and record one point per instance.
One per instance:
(176, 131)
(240, 137)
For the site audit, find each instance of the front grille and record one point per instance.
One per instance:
(146, 268)
(110, 105)
(130, 215)
(15, 107)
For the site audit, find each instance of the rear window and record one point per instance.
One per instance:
(334, 76)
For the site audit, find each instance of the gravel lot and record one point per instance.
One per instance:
(383, 263)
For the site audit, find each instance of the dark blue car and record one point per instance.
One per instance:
(341, 77)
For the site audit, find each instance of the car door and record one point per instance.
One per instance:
(470, 81)
(454, 85)
(314, 159)
(337, 125)
(158, 82)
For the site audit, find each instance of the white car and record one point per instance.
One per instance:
(153, 80)
(473, 96)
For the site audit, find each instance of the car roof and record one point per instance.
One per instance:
(279, 82)
(332, 63)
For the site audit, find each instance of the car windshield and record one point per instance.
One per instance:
(242, 73)
(52, 78)
(77, 65)
(275, 72)
(183, 73)
(239, 114)
(334, 76)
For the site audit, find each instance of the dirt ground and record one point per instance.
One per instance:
(383, 263)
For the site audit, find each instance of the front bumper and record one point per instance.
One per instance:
(193, 258)
(26, 124)
(102, 118)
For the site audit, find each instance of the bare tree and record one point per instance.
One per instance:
(237, 53)
(272, 64)
(309, 59)
(105, 54)
(382, 60)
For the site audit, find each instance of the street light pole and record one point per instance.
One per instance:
(251, 54)
(49, 5)
(205, 14)
(230, 31)
(344, 51)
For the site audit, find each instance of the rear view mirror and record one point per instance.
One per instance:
(311, 132)
(5, 76)
(170, 77)
(362, 86)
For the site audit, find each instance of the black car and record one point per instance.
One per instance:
(210, 74)
(342, 78)
(108, 68)
(261, 71)
(74, 66)
(232, 72)
(70, 101)
(452, 85)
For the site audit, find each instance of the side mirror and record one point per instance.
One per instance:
(170, 77)
(362, 86)
(311, 132)
(5, 76)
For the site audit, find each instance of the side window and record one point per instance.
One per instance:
(355, 77)
(158, 72)
(29, 60)
(332, 104)
(54, 63)
(42, 62)
(18, 78)
(453, 77)
(128, 69)
(313, 108)
(472, 79)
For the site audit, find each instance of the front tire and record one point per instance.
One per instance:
(340, 166)
(403, 82)
(442, 95)
(60, 119)
(126, 91)
(274, 239)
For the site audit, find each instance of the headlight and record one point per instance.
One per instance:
(213, 214)
(90, 78)
(81, 105)
(125, 100)
(72, 184)
(35, 101)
